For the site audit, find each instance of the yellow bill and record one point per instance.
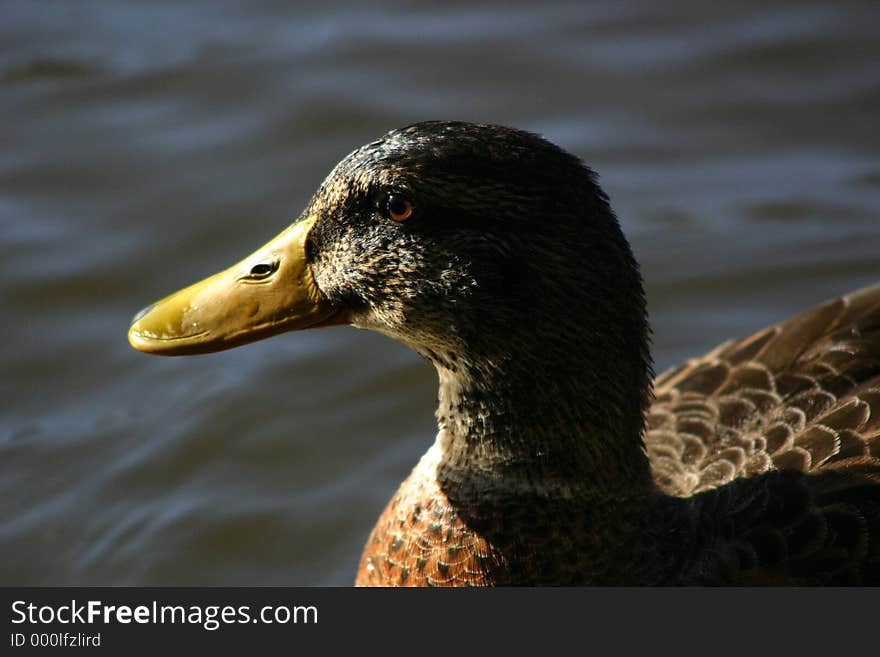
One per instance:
(269, 292)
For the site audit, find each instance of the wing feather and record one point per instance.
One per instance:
(776, 438)
(802, 395)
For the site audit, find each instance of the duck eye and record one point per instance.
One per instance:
(262, 269)
(399, 207)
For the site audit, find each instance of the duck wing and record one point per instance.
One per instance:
(801, 395)
(777, 438)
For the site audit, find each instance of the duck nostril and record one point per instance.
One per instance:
(262, 269)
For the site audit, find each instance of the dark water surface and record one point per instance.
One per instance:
(145, 145)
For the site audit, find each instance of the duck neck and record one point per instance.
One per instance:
(541, 427)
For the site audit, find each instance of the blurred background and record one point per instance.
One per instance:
(146, 145)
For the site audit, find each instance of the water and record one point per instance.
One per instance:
(145, 145)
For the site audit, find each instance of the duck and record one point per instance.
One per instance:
(560, 459)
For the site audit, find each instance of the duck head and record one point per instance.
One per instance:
(488, 250)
